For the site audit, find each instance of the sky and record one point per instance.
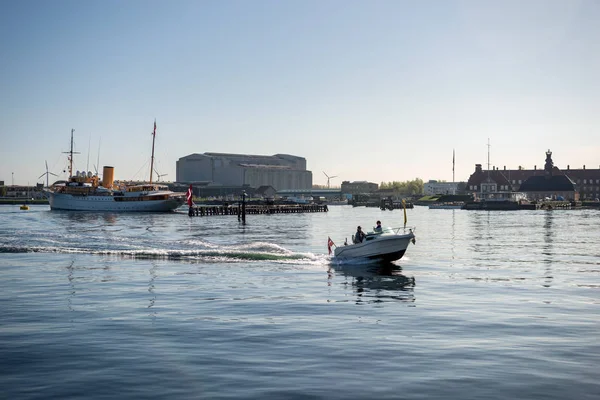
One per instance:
(364, 90)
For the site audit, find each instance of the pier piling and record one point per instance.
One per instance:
(242, 209)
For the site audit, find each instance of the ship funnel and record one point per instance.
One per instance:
(108, 174)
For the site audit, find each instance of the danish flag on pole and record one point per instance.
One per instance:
(190, 194)
(329, 244)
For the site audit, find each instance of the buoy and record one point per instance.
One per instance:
(24, 207)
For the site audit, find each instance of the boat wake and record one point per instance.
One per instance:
(252, 252)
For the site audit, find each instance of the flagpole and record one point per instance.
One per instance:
(453, 171)
(452, 165)
(329, 244)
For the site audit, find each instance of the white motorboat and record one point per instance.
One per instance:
(388, 245)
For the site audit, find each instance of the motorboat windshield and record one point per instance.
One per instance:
(387, 229)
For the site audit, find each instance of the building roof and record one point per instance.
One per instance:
(575, 174)
(552, 183)
(264, 188)
(496, 176)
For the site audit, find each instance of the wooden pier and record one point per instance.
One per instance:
(240, 209)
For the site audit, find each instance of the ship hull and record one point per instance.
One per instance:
(68, 202)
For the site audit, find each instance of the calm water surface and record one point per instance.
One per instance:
(486, 305)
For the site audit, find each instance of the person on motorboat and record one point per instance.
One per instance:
(359, 236)
(378, 228)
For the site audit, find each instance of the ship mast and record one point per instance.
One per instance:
(152, 159)
(70, 153)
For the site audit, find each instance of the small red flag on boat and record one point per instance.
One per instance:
(154, 132)
(329, 244)
(190, 194)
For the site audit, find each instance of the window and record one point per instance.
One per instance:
(520, 181)
(584, 181)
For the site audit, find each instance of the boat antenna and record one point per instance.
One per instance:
(70, 153)
(152, 159)
(87, 167)
(98, 162)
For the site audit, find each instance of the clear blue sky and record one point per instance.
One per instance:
(366, 90)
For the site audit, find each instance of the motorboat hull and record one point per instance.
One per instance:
(64, 201)
(385, 247)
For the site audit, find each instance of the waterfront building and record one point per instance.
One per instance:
(281, 171)
(553, 184)
(434, 187)
(358, 187)
(19, 191)
(328, 194)
(488, 181)
(587, 181)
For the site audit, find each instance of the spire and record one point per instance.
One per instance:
(549, 163)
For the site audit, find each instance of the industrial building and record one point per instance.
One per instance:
(281, 171)
(435, 187)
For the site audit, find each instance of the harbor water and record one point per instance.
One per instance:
(485, 305)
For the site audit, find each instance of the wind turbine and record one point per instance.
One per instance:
(159, 175)
(328, 178)
(47, 174)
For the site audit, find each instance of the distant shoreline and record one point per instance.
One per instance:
(20, 200)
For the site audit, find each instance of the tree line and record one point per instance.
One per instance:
(407, 187)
